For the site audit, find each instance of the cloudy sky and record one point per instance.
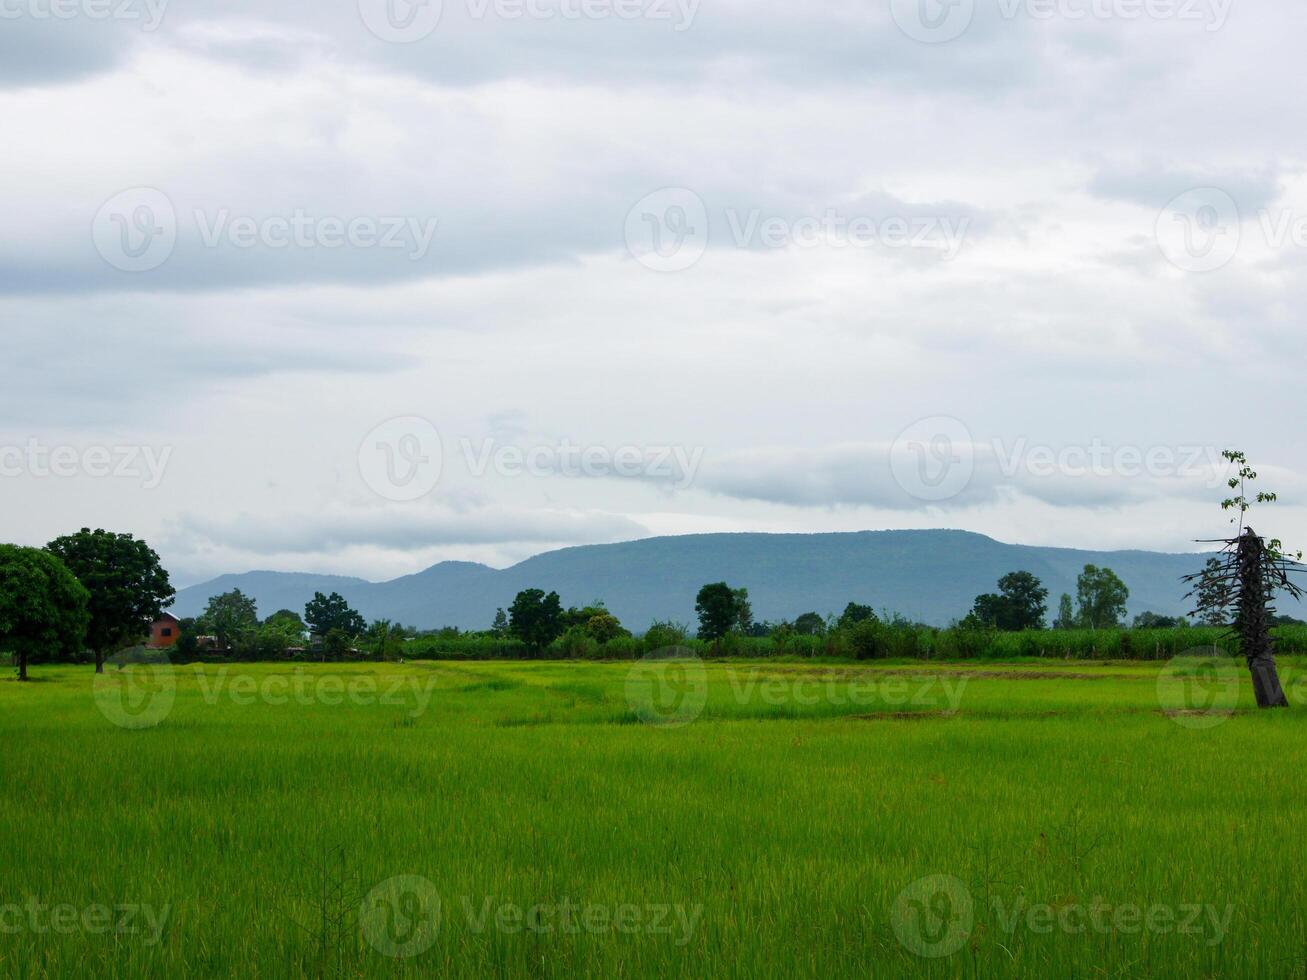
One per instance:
(360, 285)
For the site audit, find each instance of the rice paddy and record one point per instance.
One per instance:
(658, 819)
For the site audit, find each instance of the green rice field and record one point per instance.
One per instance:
(1028, 818)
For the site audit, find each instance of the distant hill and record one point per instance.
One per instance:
(930, 576)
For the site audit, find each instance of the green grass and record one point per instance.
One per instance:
(778, 819)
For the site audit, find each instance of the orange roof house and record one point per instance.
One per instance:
(164, 632)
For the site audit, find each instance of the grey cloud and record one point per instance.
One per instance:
(880, 475)
(1153, 187)
(403, 529)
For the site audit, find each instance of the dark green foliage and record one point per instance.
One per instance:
(128, 587)
(1020, 604)
(718, 610)
(810, 624)
(326, 613)
(1156, 621)
(232, 618)
(44, 609)
(854, 613)
(1101, 597)
(535, 618)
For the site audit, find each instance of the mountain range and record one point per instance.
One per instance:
(928, 576)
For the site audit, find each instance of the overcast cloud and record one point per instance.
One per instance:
(307, 286)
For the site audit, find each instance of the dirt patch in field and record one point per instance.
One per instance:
(900, 716)
(872, 672)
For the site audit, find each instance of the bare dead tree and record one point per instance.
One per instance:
(1242, 582)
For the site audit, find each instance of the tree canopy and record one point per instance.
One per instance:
(43, 607)
(535, 618)
(128, 587)
(325, 613)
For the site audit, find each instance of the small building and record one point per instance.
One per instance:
(164, 632)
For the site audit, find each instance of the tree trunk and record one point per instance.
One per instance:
(22, 666)
(1254, 626)
(99, 661)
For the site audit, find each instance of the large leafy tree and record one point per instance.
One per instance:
(232, 617)
(855, 612)
(128, 586)
(1020, 604)
(718, 607)
(43, 608)
(1100, 598)
(535, 618)
(325, 613)
(810, 624)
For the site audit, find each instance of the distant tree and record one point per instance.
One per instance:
(1212, 595)
(1066, 616)
(535, 618)
(43, 607)
(743, 612)
(1020, 604)
(855, 613)
(287, 618)
(325, 613)
(1156, 621)
(661, 635)
(718, 609)
(336, 644)
(385, 640)
(1278, 620)
(573, 616)
(810, 624)
(188, 643)
(500, 626)
(1100, 597)
(232, 617)
(128, 586)
(604, 628)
